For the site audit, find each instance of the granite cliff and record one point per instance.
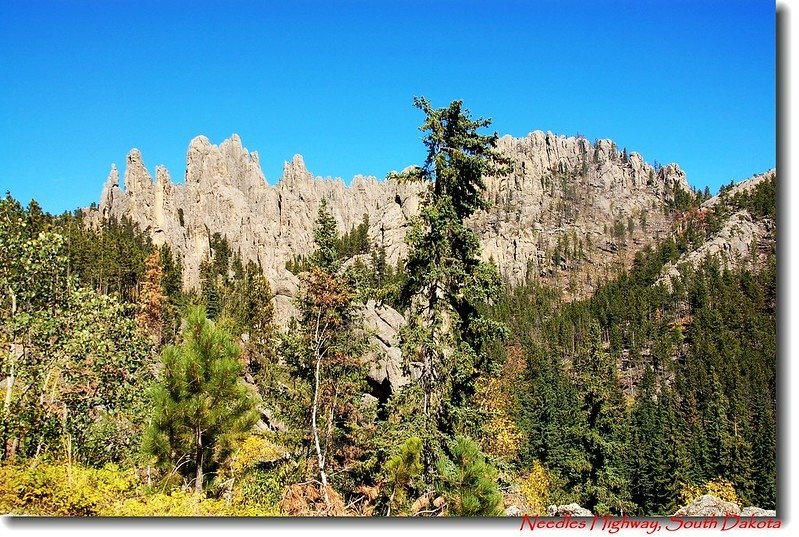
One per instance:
(567, 206)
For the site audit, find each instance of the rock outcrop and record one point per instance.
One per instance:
(557, 209)
(385, 358)
(757, 512)
(571, 509)
(709, 505)
(567, 211)
(742, 241)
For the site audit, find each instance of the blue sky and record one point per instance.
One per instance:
(81, 83)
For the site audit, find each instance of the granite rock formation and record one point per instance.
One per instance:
(709, 505)
(568, 211)
(558, 209)
(742, 240)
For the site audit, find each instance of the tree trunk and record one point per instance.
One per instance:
(319, 456)
(13, 356)
(198, 480)
(10, 381)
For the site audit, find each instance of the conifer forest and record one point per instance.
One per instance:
(129, 390)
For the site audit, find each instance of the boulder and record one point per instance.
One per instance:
(758, 512)
(709, 505)
(571, 509)
(512, 511)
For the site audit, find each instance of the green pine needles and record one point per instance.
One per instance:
(469, 482)
(447, 284)
(202, 409)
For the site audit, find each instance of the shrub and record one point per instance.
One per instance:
(52, 489)
(180, 503)
(719, 487)
(536, 488)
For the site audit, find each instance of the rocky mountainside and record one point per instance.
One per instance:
(743, 240)
(569, 210)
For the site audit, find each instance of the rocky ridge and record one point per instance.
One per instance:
(567, 211)
(742, 241)
(553, 215)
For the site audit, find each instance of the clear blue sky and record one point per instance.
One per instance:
(81, 83)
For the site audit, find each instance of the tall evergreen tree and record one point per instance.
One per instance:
(326, 238)
(325, 350)
(606, 484)
(447, 282)
(257, 316)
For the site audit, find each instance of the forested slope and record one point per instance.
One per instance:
(656, 387)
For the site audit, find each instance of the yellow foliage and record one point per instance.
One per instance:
(61, 490)
(502, 437)
(179, 503)
(495, 395)
(254, 450)
(51, 489)
(536, 488)
(719, 487)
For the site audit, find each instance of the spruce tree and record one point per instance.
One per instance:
(257, 316)
(326, 239)
(447, 283)
(606, 488)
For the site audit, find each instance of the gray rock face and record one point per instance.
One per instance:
(566, 196)
(757, 512)
(225, 192)
(384, 359)
(556, 210)
(709, 505)
(741, 242)
(571, 509)
(561, 191)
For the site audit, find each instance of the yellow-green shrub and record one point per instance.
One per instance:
(57, 489)
(179, 503)
(253, 451)
(536, 488)
(719, 487)
(60, 489)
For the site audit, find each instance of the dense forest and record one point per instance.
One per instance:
(126, 394)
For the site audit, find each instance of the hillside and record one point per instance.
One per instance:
(516, 324)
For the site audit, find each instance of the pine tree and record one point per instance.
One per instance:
(401, 469)
(326, 238)
(676, 465)
(257, 316)
(172, 285)
(202, 408)
(210, 290)
(606, 487)
(468, 481)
